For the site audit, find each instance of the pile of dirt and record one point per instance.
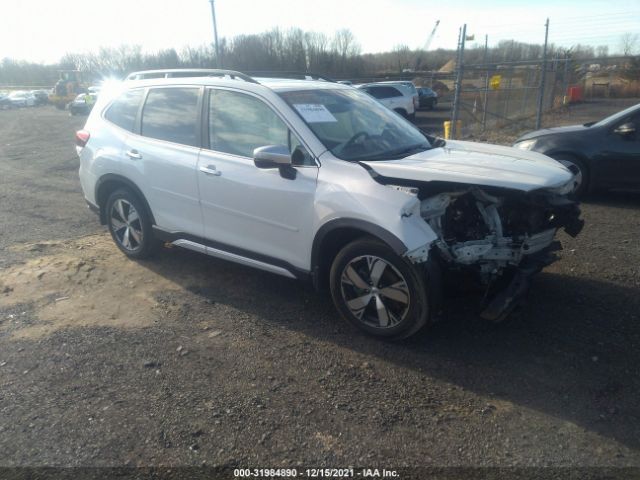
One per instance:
(81, 282)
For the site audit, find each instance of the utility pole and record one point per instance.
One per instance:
(458, 86)
(215, 35)
(543, 76)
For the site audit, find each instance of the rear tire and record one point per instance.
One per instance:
(130, 224)
(378, 291)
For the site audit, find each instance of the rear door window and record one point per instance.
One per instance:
(171, 114)
(124, 109)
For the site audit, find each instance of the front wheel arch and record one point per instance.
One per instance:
(335, 234)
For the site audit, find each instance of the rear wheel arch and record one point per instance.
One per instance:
(336, 234)
(109, 183)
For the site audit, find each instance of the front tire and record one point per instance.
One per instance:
(130, 224)
(378, 291)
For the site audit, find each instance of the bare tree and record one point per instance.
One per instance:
(402, 54)
(628, 43)
(345, 46)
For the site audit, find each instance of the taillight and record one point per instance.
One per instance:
(82, 137)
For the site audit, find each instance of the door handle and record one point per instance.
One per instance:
(134, 154)
(210, 170)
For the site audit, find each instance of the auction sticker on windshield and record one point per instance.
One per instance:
(314, 112)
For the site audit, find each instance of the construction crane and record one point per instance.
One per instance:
(419, 59)
(430, 39)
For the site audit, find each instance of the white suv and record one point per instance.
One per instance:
(316, 180)
(396, 97)
(408, 85)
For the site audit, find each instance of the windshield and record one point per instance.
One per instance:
(616, 116)
(354, 126)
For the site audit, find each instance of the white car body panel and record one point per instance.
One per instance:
(346, 190)
(166, 175)
(103, 156)
(256, 209)
(478, 164)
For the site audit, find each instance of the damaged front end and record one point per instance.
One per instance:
(500, 237)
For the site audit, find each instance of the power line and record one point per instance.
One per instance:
(597, 18)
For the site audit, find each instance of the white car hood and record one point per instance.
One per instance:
(478, 164)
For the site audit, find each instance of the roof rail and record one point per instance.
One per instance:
(292, 75)
(189, 72)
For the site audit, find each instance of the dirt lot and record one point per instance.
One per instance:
(186, 360)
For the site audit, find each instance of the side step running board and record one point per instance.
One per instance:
(214, 252)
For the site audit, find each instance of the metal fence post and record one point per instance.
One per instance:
(565, 78)
(505, 113)
(542, 76)
(525, 94)
(486, 85)
(458, 85)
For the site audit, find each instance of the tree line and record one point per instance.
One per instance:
(339, 55)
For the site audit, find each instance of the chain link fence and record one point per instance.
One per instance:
(494, 95)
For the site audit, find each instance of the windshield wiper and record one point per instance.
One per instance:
(399, 153)
(438, 142)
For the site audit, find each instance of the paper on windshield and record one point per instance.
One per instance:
(314, 112)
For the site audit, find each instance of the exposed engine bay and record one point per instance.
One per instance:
(476, 228)
(495, 234)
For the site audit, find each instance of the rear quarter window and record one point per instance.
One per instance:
(124, 109)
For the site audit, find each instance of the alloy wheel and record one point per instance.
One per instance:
(126, 225)
(375, 291)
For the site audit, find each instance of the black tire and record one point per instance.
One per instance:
(127, 230)
(352, 277)
(576, 166)
(412, 117)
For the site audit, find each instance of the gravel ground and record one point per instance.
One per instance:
(185, 360)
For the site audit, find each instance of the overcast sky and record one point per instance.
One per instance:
(43, 30)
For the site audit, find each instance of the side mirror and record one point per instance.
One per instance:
(272, 156)
(626, 129)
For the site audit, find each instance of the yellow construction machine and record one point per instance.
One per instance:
(69, 85)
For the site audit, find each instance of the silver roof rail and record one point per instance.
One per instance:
(293, 75)
(189, 72)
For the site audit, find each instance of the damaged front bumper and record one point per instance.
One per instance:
(512, 295)
(503, 238)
